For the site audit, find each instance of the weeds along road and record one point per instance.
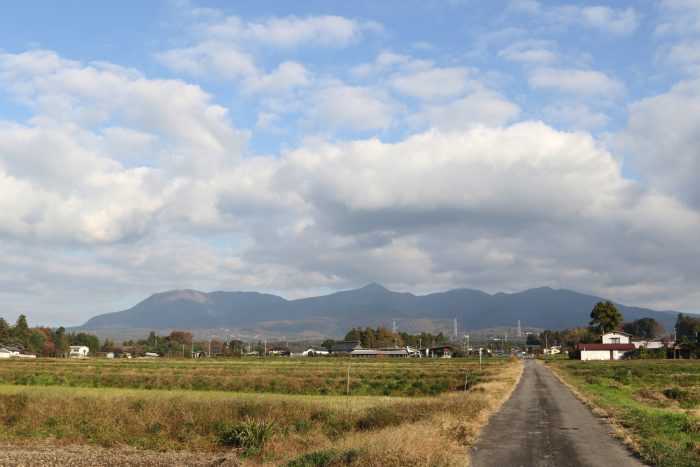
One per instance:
(543, 424)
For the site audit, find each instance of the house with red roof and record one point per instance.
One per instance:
(614, 346)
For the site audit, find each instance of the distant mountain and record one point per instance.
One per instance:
(373, 305)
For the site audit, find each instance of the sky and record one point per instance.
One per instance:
(304, 147)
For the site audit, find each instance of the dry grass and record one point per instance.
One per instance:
(358, 430)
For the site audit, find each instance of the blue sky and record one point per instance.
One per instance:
(304, 147)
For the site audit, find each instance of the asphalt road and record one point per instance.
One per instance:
(544, 424)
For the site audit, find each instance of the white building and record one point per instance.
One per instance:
(4, 353)
(315, 350)
(78, 351)
(614, 347)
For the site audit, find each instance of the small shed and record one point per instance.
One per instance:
(4, 353)
(441, 351)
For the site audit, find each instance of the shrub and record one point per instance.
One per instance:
(379, 417)
(249, 435)
(327, 458)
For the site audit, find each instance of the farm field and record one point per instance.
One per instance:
(655, 402)
(259, 411)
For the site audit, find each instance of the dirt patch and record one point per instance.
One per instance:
(80, 455)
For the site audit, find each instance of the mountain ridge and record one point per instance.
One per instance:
(372, 305)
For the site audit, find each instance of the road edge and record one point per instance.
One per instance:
(494, 410)
(617, 430)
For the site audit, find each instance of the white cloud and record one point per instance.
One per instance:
(530, 51)
(210, 58)
(577, 82)
(661, 140)
(291, 31)
(576, 115)
(342, 107)
(483, 107)
(99, 158)
(621, 22)
(284, 78)
(433, 83)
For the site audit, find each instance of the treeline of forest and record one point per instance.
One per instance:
(686, 331)
(44, 341)
(383, 337)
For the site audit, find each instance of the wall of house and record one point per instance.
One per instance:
(595, 355)
(608, 338)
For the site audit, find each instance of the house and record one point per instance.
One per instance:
(78, 351)
(314, 351)
(650, 344)
(4, 353)
(345, 347)
(441, 351)
(616, 337)
(279, 352)
(614, 346)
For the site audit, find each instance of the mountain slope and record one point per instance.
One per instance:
(372, 305)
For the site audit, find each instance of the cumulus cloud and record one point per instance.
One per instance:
(284, 78)
(577, 82)
(342, 107)
(662, 138)
(530, 51)
(484, 107)
(622, 22)
(222, 45)
(93, 164)
(432, 83)
(291, 31)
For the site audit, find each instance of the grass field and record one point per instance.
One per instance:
(269, 411)
(308, 376)
(655, 403)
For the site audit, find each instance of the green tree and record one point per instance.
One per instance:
(643, 327)
(354, 335)
(687, 328)
(605, 317)
(21, 332)
(61, 341)
(5, 331)
(369, 338)
(328, 343)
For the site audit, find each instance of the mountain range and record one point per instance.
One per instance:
(248, 313)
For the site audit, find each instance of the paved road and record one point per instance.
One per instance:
(543, 424)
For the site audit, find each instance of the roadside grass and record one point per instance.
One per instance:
(265, 428)
(654, 403)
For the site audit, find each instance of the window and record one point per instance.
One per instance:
(614, 340)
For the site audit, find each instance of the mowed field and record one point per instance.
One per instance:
(276, 411)
(655, 404)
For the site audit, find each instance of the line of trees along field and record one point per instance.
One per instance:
(54, 342)
(605, 317)
(44, 341)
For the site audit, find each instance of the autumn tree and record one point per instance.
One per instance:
(605, 317)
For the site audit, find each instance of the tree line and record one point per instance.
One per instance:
(383, 337)
(44, 341)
